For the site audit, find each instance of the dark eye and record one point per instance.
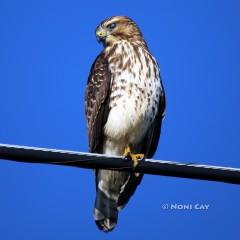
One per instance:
(111, 26)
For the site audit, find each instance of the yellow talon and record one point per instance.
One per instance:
(127, 151)
(134, 157)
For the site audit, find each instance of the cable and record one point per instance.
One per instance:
(100, 161)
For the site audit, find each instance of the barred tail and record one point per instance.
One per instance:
(111, 196)
(105, 212)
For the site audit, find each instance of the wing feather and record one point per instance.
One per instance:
(151, 140)
(97, 102)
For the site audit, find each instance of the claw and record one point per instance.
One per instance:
(133, 157)
(127, 152)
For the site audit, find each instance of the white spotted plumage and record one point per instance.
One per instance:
(134, 97)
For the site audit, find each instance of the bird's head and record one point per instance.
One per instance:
(117, 28)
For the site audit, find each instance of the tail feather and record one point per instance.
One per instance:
(113, 190)
(105, 212)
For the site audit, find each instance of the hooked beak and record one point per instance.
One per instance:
(101, 34)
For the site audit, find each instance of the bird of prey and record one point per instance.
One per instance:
(125, 104)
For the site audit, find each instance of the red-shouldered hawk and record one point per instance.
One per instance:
(125, 103)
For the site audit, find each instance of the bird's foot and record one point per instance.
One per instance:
(133, 157)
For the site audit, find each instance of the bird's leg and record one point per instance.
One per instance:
(134, 157)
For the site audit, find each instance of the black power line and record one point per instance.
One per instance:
(100, 161)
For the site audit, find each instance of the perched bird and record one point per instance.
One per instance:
(125, 104)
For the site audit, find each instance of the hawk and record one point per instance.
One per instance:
(125, 104)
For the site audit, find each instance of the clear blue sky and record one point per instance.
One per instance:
(46, 50)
